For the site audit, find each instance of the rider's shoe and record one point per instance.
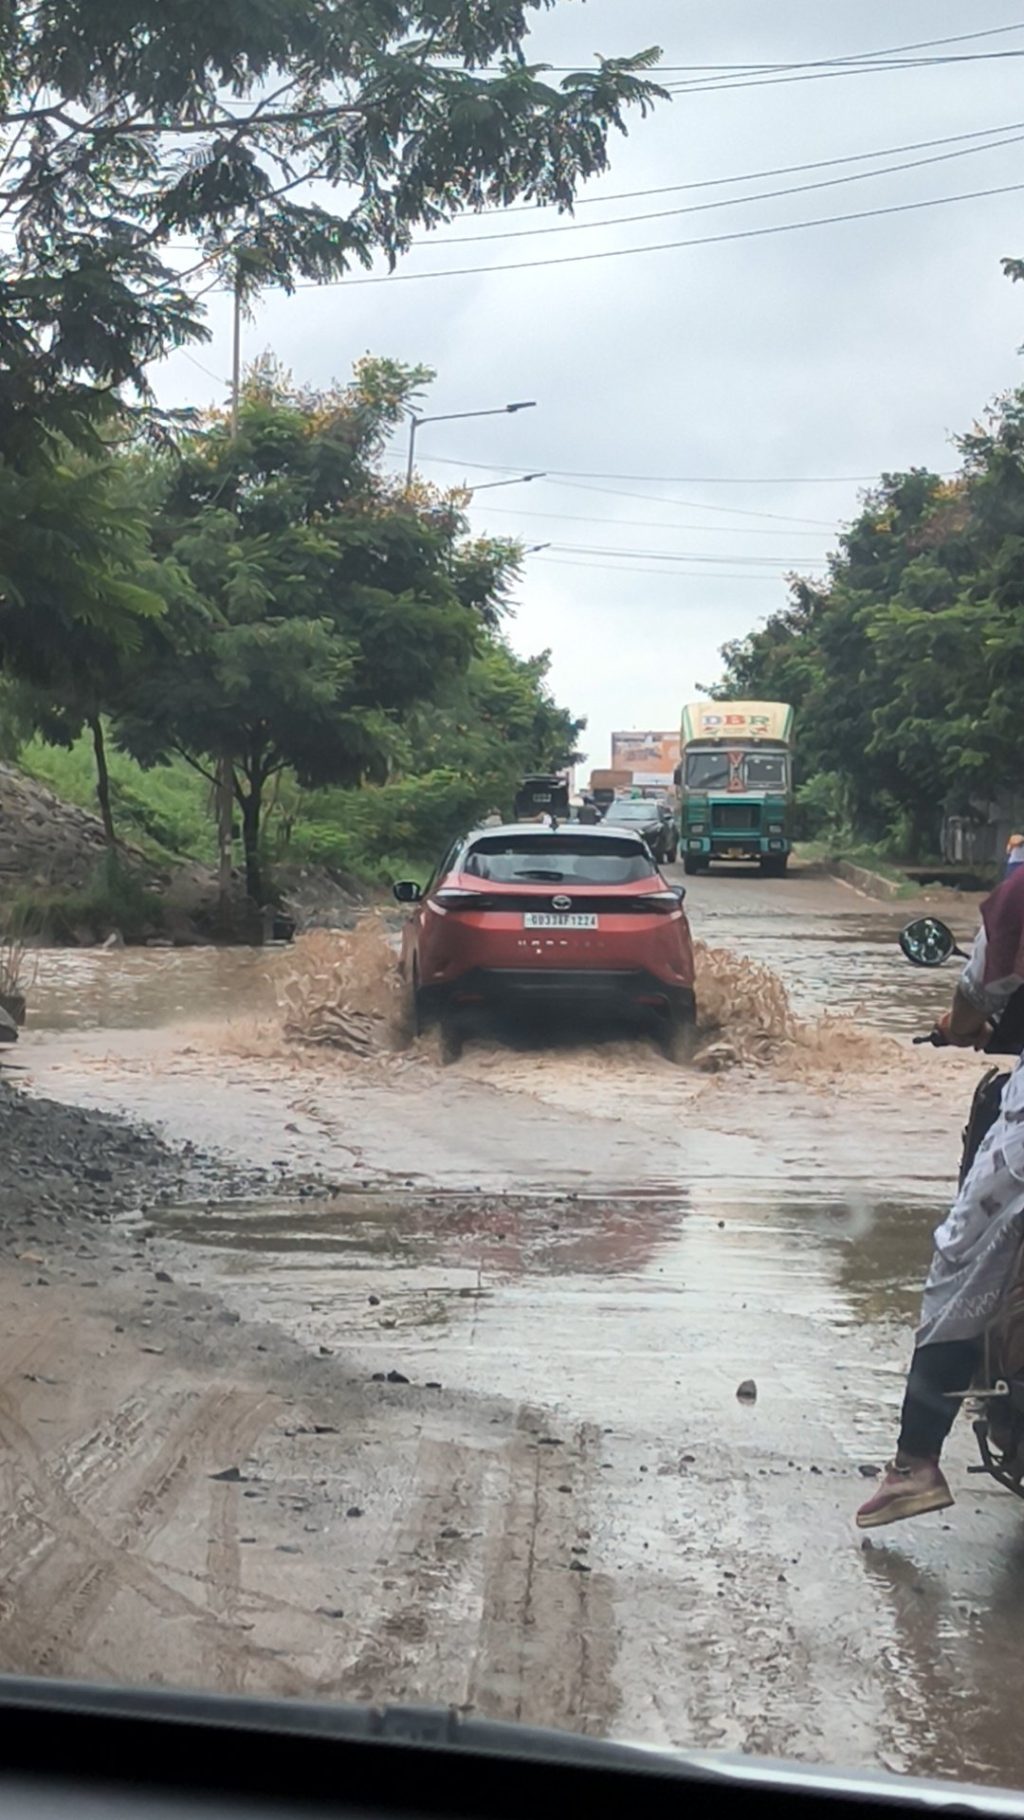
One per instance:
(906, 1491)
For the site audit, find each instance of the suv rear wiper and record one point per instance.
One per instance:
(538, 872)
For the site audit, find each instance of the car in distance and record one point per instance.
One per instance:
(644, 815)
(541, 916)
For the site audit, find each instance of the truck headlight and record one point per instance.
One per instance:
(696, 827)
(775, 828)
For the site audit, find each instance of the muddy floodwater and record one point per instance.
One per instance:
(475, 1366)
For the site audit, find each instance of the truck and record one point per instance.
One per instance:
(541, 794)
(605, 786)
(736, 784)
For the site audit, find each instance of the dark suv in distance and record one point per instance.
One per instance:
(647, 818)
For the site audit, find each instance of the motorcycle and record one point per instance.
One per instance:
(998, 1391)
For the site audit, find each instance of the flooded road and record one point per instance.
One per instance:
(522, 1309)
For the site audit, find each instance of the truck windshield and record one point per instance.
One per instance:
(706, 769)
(765, 771)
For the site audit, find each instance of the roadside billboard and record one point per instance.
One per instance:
(651, 757)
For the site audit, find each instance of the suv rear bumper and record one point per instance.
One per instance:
(520, 987)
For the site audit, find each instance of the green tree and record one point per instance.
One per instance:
(495, 722)
(79, 598)
(127, 126)
(456, 759)
(134, 133)
(906, 662)
(332, 602)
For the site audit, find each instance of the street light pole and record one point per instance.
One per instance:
(514, 480)
(415, 423)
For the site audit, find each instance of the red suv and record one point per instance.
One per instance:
(535, 916)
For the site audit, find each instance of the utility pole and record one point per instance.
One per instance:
(225, 780)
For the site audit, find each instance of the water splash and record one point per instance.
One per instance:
(341, 990)
(745, 1017)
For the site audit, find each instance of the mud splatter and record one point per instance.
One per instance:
(342, 990)
(746, 1017)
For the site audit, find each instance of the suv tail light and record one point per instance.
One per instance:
(462, 900)
(660, 901)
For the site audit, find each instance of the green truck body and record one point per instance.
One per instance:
(736, 784)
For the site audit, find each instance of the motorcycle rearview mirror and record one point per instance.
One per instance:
(928, 942)
(407, 891)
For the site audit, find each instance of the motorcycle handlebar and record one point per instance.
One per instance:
(936, 1038)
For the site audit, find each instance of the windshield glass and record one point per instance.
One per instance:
(632, 812)
(704, 770)
(765, 771)
(560, 858)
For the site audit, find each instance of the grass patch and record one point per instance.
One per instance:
(165, 812)
(871, 858)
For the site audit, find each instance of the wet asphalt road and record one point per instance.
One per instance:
(589, 1251)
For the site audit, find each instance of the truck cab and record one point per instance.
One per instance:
(736, 784)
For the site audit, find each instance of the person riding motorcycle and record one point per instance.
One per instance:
(1014, 854)
(978, 1243)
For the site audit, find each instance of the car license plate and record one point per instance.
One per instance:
(540, 920)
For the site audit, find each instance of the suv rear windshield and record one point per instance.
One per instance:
(557, 858)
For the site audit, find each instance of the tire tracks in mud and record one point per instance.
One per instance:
(64, 1568)
(485, 1601)
(544, 1601)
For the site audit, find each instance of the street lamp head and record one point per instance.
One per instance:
(525, 404)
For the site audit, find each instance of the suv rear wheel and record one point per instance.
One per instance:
(679, 1038)
(450, 1037)
(412, 1021)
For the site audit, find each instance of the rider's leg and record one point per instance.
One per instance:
(914, 1483)
(929, 1410)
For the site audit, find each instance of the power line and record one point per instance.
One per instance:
(604, 568)
(820, 524)
(779, 170)
(895, 50)
(686, 556)
(637, 524)
(699, 208)
(210, 374)
(681, 480)
(709, 86)
(693, 505)
(664, 246)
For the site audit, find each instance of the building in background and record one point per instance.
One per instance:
(652, 758)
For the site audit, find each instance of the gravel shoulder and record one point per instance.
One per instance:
(197, 1499)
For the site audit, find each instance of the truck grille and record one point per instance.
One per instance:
(745, 816)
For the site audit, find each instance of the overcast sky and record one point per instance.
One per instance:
(743, 383)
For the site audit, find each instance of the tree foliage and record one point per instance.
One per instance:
(906, 661)
(329, 602)
(151, 152)
(279, 143)
(460, 757)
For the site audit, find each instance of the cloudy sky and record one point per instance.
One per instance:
(706, 414)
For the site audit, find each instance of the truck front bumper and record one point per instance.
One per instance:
(736, 846)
